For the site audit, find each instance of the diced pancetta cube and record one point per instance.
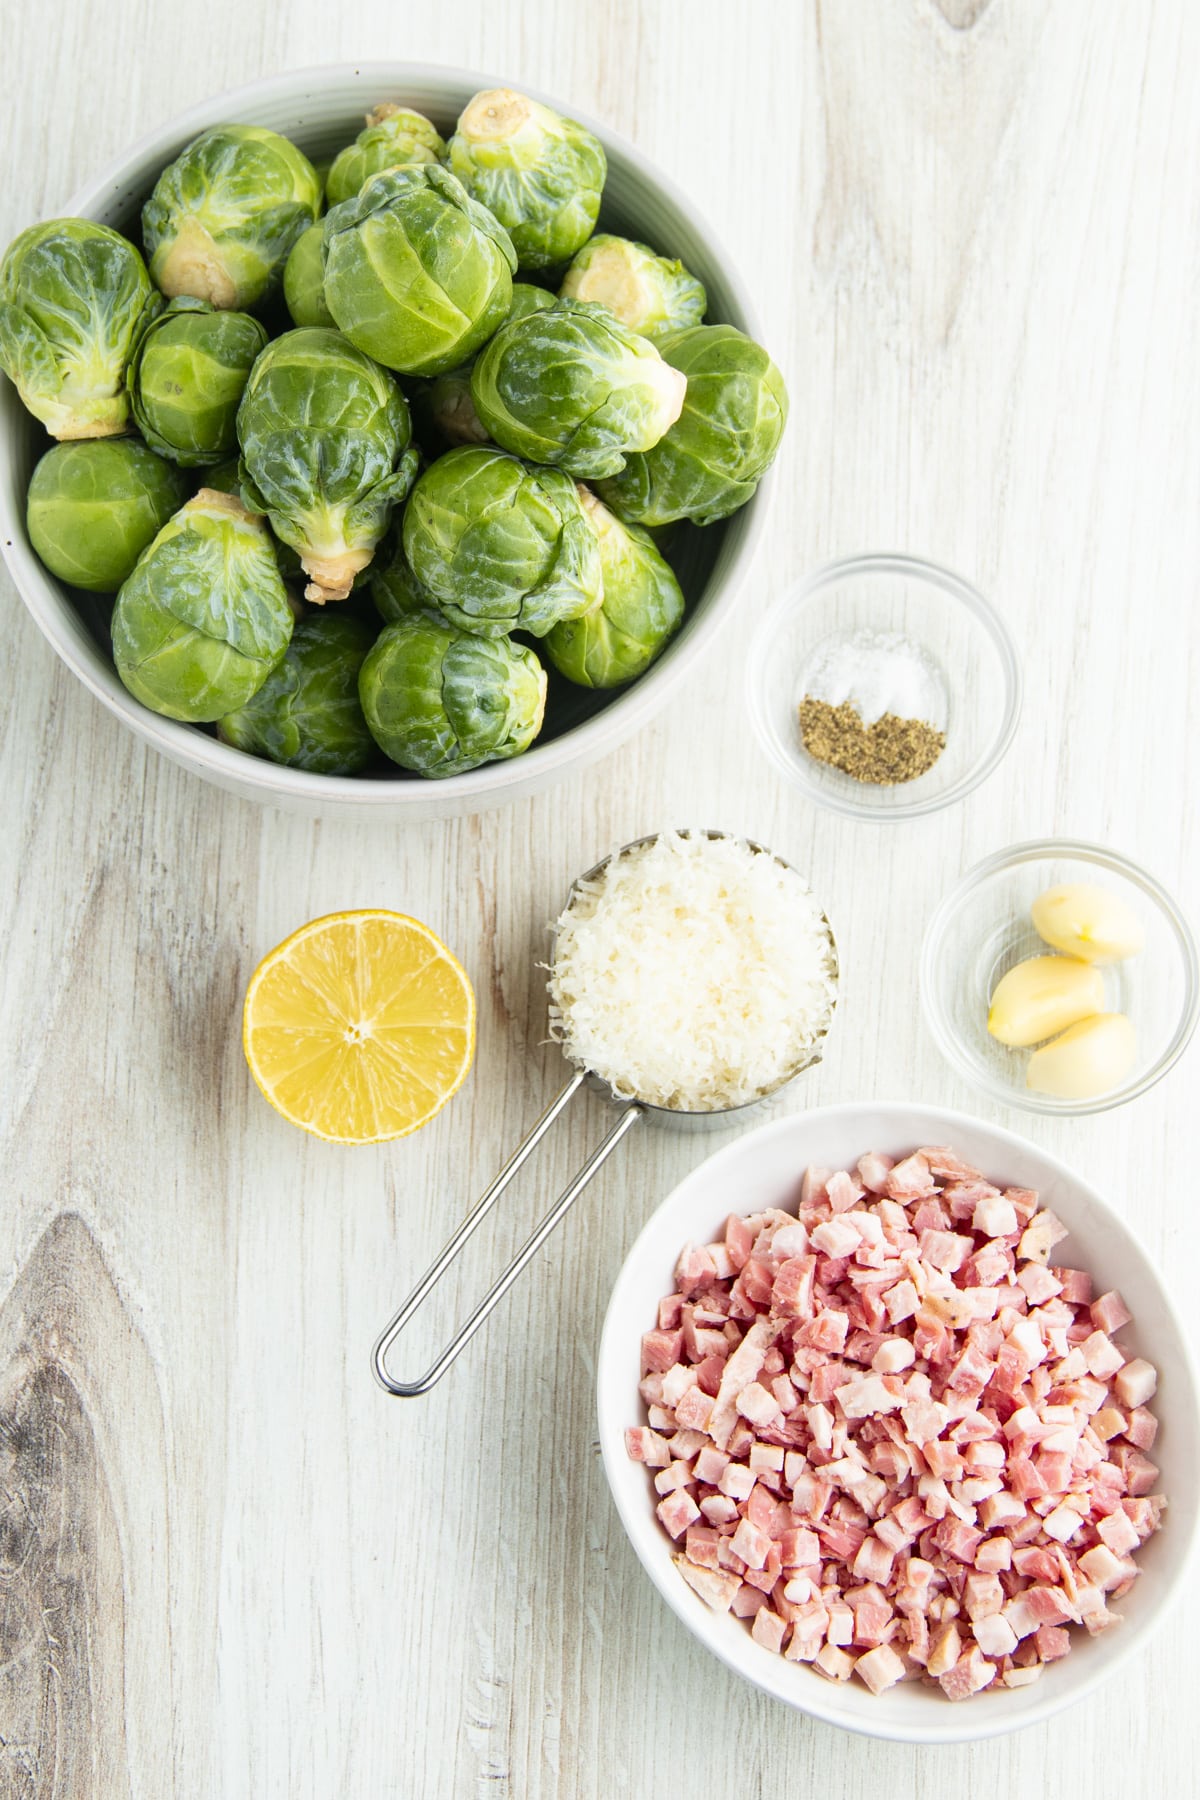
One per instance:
(1142, 1428)
(792, 1290)
(1136, 1383)
(843, 1191)
(994, 1218)
(1110, 1312)
(676, 1381)
(910, 1179)
(646, 1446)
(1037, 1283)
(1076, 1285)
(873, 1170)
(945, 1651)
(880, 1668)
(834, 1663)
(1052, 1641)
(812, 1185)
(867, 1395)
(710, 1465)
(893, 1354)
(994, 1635)
(1039, 1237)
(826, 1332)
(660, 1350)
(758, 1404)
(700, 1545)
(719, 1509)
(677, 1474)
(800, 1548)
(748, 1601)
(715, 1587)
(768, 1629)
(873, 1560)
(999, 1510)
(1062, 1524)
(1022, 1677)
(971, 1673)
(994, 1555)
(836, 1237)
(693, 1410)
(901, 1301)
(945, 1250)
(751, 1544)
(1101, 1355)
(1102, 1567)
(677, 1512)
(737, 1481)
(694, 1270)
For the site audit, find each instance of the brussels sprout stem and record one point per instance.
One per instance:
(332, 577)
(192, 266)
(496, 113)
(387, 109)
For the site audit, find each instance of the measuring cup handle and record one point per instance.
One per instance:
(473, 1220)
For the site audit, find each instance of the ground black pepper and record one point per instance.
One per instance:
(886, 753)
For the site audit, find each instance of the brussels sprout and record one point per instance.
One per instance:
(540, 174)
(650, 294)
(722, 444)
(187, 377)
(441, 701)
(417, 274)
(574, 387)
(394, 136)
(325, 453)
(640, 611)
(204, 617)
(306, 714)
(75, 299)
(500, 546)
(443, 407)
(304, 279)
(94, 506)
(224, 215)
(395, 589)
(225, 477)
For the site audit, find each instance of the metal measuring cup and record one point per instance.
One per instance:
(631, 1112)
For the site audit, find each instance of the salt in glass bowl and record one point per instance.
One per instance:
(983, 928)
(961, 635)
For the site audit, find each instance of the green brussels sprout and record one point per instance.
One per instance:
(574, 387)
(224, 215)
(307, 714)
(187, 377)
(75, 299)
(540, 174)
(225, 477)
(649, 293)
(501, 546)
(395, 589)
(724, 441)
(394, 136)
(304, 279)
(641, 609)
(443, 407)
(441, 701)
(416, 273)
(93, 507)
(325, 453)
(204, 617)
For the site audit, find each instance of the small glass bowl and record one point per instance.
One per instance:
(983, 927)
(963, 638)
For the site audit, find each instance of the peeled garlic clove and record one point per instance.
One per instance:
(1090, 1058)
(1089, 922)
(1043, 995)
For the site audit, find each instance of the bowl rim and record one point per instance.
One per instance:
(916, 568)
(492, 783)
(948, 1039)
(614, 1343)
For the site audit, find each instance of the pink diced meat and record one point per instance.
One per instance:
(892, 1436)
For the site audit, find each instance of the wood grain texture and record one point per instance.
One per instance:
(228, 1566)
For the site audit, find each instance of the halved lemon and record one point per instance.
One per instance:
(360, 1026)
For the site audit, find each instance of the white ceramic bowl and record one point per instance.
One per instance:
(760, 1170)
(322, 109)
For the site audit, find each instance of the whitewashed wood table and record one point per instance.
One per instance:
(228, 1564)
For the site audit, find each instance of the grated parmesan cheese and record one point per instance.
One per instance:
(694, 973)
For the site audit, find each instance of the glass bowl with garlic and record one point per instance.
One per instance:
(1060, 977)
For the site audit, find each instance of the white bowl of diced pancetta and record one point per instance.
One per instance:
(901, 1422)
